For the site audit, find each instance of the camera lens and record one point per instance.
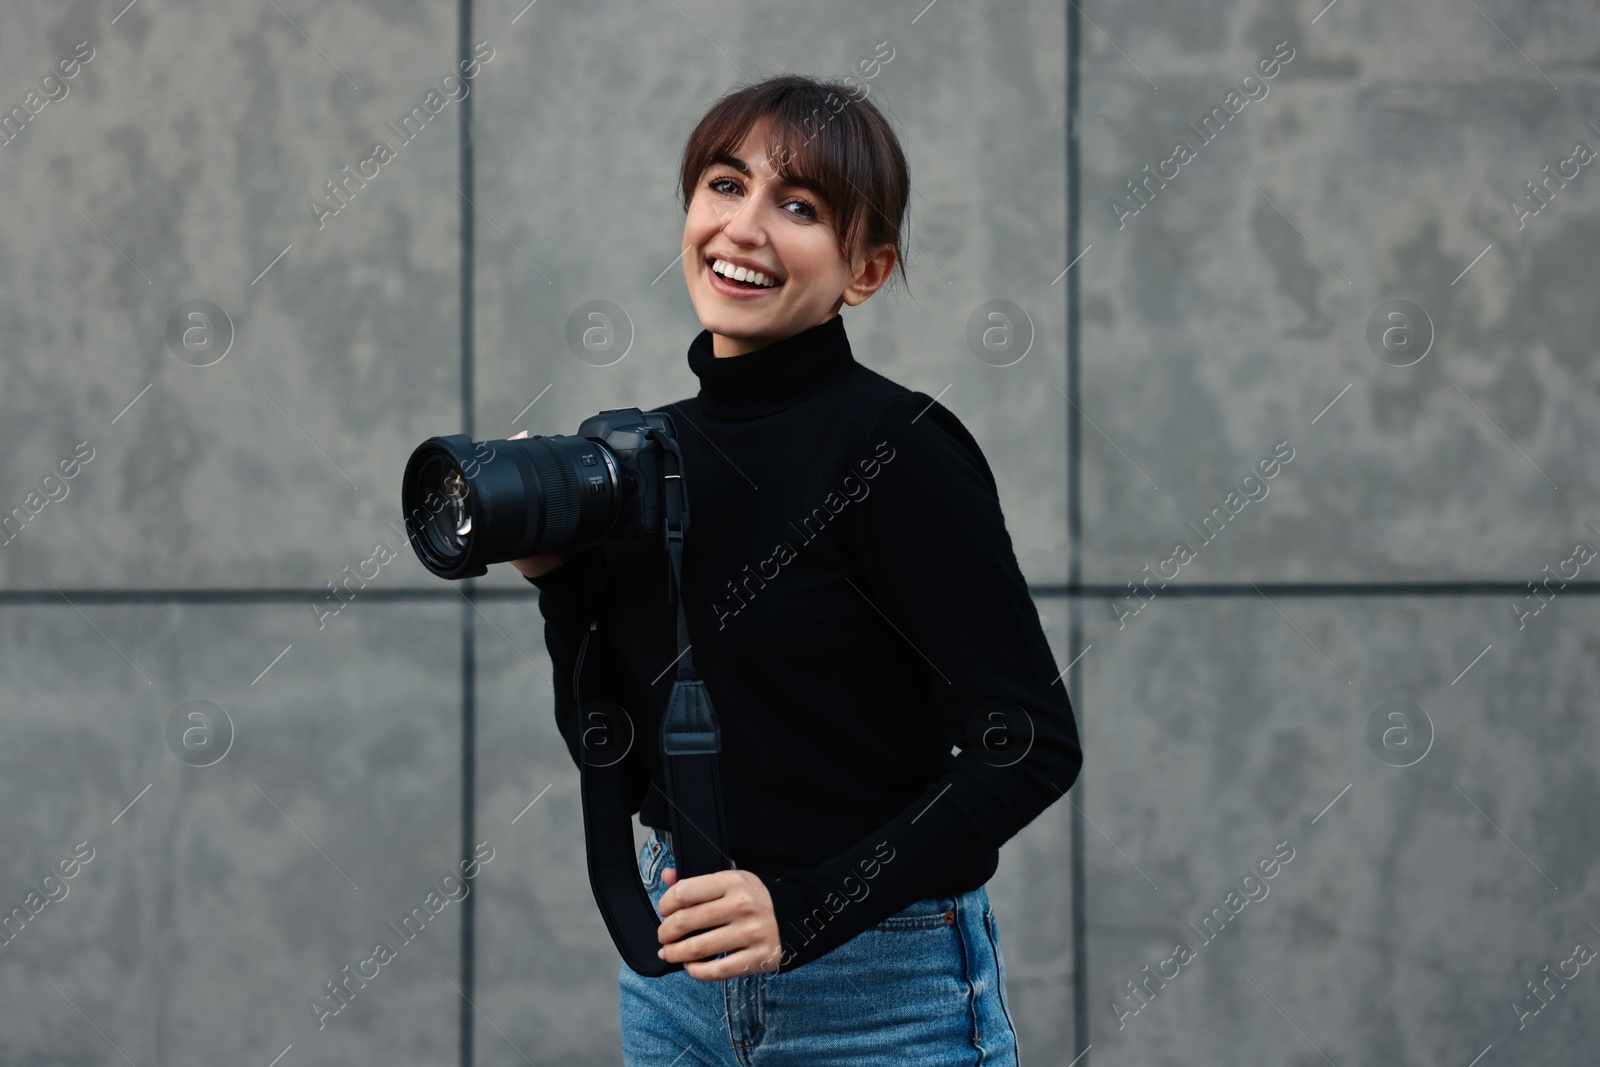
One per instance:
(471, 504)
(448, 524)
(455, 488)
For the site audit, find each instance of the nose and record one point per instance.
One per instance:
(743, 226)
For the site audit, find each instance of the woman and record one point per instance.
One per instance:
(855, 608)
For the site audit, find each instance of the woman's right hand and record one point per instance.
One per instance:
(545, 562)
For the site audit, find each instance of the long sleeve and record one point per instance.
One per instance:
(570, 597)
(938, 564)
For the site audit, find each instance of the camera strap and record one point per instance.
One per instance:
(690, 741)
(690, 735)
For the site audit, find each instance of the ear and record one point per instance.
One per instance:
(872, 272)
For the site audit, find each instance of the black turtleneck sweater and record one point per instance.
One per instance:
(856, 609)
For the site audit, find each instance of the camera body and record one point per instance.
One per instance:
(606, 484)
(637, 459)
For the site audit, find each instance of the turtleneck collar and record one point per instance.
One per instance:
(769, 379)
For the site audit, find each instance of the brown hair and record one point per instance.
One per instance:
(823, 136)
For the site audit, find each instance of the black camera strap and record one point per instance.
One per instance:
(690, 737)
(690, 741)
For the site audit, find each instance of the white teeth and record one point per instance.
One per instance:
(742, 274)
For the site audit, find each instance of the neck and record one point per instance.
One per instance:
(771, 377)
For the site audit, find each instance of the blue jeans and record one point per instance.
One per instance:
(925, 986)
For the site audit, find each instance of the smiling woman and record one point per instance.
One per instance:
(783, 226)
(896, 627)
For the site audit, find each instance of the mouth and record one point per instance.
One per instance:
(739, 282)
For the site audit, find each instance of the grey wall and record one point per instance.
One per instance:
(1242, 706)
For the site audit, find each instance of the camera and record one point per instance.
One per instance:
(619, 479)
(469, 504)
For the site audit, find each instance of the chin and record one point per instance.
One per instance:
(739, 324)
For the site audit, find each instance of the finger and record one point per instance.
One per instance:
(703, 945)
(679, 921)
(683, 922)
(701, 889)
(735, 964)
(516, 436)
(681, 893)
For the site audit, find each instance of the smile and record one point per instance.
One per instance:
(739, 281)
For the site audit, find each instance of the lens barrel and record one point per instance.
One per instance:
(468, 505)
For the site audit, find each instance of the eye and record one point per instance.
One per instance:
(729, 186)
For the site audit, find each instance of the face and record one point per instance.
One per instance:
(744, 216)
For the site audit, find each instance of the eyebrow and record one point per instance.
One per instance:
(730, 160)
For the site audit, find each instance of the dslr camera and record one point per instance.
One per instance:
(469, 504)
